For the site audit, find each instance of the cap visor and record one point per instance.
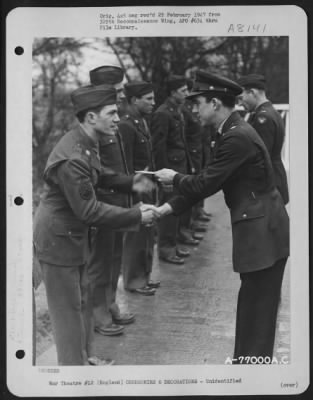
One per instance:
(194, 94)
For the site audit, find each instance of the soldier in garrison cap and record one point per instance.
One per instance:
(194, 137)
(133, 127)
(110, 75)
(67, 209)
(268, 123)
(170, 151)
(107, 245)
(260, 225)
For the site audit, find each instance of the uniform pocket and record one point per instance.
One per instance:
(251, 210)
(177, 157)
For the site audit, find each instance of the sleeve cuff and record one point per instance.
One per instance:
(177, 178)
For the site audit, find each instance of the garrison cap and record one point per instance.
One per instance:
(106, 74)
(137, 88)
(175, 82)
(254, 81)
(209, 83)
(88, 97)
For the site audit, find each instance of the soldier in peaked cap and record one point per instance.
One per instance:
(107, 245)
(260, 225)
(138, 246)
(67, 209)
(170, 151)
(268, 123)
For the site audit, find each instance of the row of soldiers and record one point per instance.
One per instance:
(146, 140)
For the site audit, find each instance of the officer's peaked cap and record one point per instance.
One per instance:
(106, 74)
(206, 83)
(252, 81)
(89, 97)
(175, 82)
(138, 88)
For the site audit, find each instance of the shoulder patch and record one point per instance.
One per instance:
(85, 190)
(77, 148)
(261, 119)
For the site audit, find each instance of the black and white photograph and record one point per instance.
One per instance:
(163, 243)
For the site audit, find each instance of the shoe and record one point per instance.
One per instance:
(154, 284)
(199, 228)
(182, 253)
(203, 218)
(189, 241)
(110, 330)
(173, 260)
(97, 361)
(145, 291)
(207, 214)
(124, 319)
(197, 236)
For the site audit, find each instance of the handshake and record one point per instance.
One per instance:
(151, 213)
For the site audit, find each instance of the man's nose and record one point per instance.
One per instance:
(116, 118)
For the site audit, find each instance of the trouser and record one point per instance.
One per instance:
(257, 308)
(67, 290)
(168, 229)
(138, 257)
(104, 267)
(185, 224)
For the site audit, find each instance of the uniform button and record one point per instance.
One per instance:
(111, 141)
(244, 215)
(112, 191)
(142, 141)
(69, 232)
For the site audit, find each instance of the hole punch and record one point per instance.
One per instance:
(19, 50)
(20, 354)
(18, 201)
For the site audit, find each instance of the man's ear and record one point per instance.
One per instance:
(91, 117)
(216, 103)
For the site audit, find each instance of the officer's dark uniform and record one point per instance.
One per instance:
(270, 126)
(170, 151)
(67, 209)
(105, 261)
(260, 224)
(138, 246)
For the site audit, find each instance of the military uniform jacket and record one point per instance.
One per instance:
(137, 142)
(168, 138)
(116, 183)
(243, 170)
(69, 206)
(194, 137)
(269, 125)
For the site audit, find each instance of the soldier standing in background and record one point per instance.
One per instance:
(107, 244)
(268, 123)
(138, 246)
(67, 209)
(170, 151)
(194, 140)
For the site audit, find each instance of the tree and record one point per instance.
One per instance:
(55, 63)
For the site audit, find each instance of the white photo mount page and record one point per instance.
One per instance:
(26, 25)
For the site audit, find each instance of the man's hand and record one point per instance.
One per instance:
(149, 213)
(142, 184)
(165, 176)
(165, 209)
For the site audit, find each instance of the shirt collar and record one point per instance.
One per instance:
(220, 128)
